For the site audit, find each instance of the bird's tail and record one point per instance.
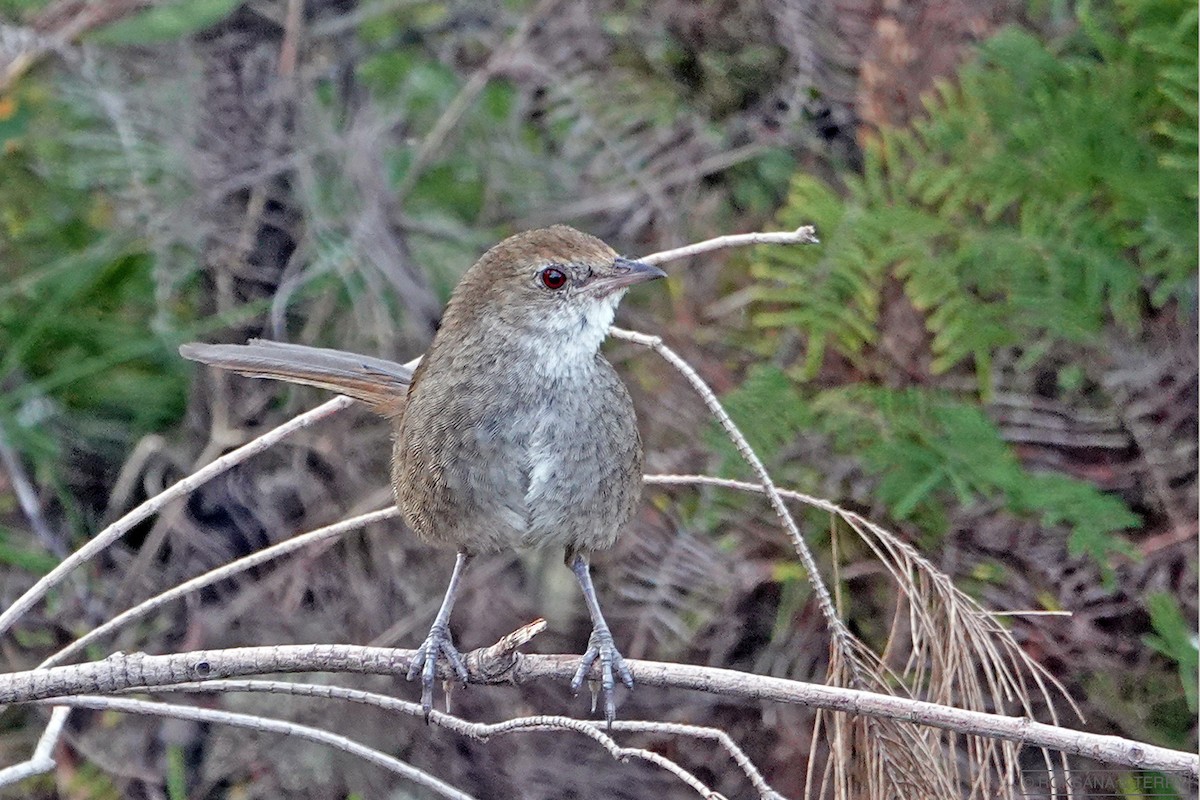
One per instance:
(380, 384)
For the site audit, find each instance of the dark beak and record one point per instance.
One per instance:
(625, 273)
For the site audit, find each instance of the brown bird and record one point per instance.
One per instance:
(513, 431)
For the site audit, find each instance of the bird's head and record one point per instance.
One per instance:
(557, 283)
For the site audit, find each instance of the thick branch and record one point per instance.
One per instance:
(499, 664)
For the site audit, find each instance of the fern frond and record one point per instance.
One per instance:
(1029, 205)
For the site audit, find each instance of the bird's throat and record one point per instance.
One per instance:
(573, 334)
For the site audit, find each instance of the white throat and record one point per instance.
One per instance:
(574, 335)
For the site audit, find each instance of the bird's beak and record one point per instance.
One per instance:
(625, 273)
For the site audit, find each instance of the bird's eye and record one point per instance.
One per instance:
(553, 279)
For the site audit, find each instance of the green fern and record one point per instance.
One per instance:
(1175, 638)
(1044, 196)
(927, 451)
(1049, 194)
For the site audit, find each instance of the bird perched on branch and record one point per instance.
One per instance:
(513, 431)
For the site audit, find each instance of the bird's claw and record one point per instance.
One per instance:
(424, 663)
(601, 647)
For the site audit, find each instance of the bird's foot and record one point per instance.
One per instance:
(424, 663)
(602, 647)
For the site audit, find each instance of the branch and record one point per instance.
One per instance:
(841, 635)
(484, 732)
(268, 725)
(181, 489)
(286, 547)
(42, 759)
(805, 234)
(499, 665)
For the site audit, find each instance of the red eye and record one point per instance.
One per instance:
(553, 278)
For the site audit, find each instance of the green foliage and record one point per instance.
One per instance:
(926, 450)
(1175, 639)
(1045, 196)
(176, 773)
(162, 23)
(76, 350)
(16, 9)
(1049, 194)
(15, 550)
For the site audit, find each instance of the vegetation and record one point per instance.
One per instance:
(992, 351)
(1046, 203)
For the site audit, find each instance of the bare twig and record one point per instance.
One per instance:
(824, 600)
(485, 731)
(219, 574)
(181, 489)
(266, 725)
(805, 234)
(42, 759)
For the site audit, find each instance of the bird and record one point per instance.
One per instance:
(513, 431)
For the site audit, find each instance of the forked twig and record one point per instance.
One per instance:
(840, 633)
(952, 639)
(483, 732)
(266, 725)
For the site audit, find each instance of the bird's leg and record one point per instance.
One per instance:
(600, 644)
(439, 642)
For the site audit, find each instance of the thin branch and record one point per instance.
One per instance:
(483, 732)
(716, 734)
(266, 725)
(219, 574)
(824, 600)
(806, 234)
(486, 666)
(42, 759)
(181, 489)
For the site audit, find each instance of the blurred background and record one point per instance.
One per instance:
(992, 352)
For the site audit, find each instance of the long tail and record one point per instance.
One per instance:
(380, 384)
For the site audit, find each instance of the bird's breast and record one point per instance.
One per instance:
(524, 459)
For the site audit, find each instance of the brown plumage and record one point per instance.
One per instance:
(514, 430)
(379, 383)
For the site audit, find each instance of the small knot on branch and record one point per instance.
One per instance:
(806, 234)
(493, 663)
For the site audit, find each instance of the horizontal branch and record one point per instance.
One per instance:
(805, 234)
(501, 664)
